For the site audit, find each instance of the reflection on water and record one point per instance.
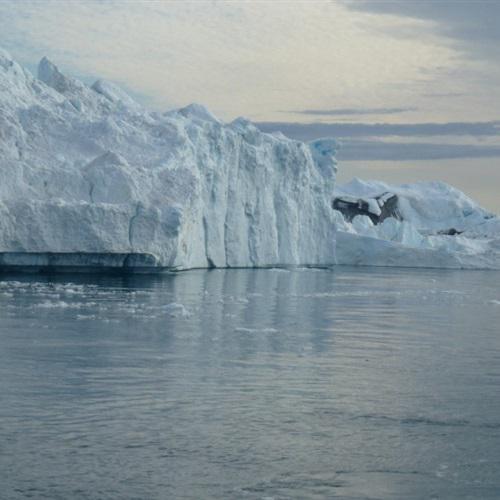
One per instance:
(351, 383)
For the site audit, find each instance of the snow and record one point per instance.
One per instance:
(440, 227)
(86, 169)
(373, 206)
(115, 94)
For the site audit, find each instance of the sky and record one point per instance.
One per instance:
(397, 81)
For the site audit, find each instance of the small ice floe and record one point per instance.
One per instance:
(60, 304)
(231, 299)
(495, 302)
(255, 330)
(83, 317)
(11, 284)
(176, 310)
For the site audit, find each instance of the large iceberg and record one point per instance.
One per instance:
(89, 177)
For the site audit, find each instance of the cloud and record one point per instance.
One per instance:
(309, 131)
(376, 150)
(400, 142)
(443, 94)
(352, 111)
(255, 57)
(473, 25)
(238, 58)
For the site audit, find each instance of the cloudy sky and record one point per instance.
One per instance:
(397, 81)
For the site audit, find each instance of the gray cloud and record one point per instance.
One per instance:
(309, 131)
(473, 24)
(351, 111)
(363, 141)
(374, 150)
(443, 94)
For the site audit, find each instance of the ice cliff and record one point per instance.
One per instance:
(86, 170)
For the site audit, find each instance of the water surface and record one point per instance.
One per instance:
(345, 383)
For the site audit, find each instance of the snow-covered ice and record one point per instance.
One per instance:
(87, 170)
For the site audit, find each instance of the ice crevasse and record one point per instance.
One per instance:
(91, 176)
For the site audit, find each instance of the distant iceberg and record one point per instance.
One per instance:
(426, 224)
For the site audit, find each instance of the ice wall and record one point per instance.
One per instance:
(86, 169)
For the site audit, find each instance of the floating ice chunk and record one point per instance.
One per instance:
(255, 330)
(176, 310)
(61, 304)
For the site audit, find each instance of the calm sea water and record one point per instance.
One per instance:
(251, 384)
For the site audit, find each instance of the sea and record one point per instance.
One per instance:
(351, 383)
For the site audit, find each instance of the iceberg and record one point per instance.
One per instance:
(426, 224)
(90, 177)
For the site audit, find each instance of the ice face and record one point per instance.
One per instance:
(88, 170)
